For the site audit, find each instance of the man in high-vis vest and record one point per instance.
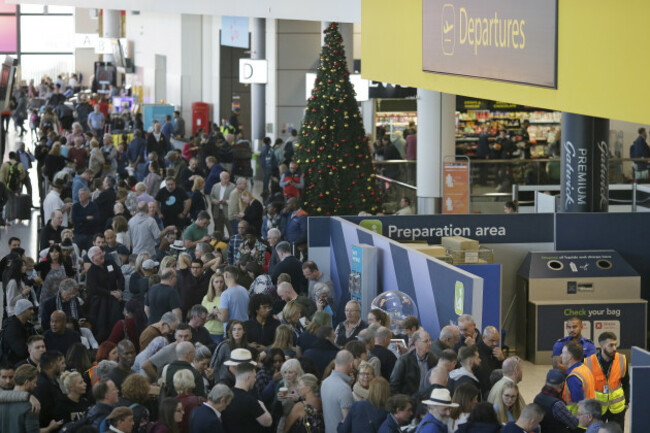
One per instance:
(579, 383)
(609, 369)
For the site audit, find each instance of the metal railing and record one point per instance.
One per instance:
(492, 180)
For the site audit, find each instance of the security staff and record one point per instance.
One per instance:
(610, 375)
(574, 328)
(579, 383)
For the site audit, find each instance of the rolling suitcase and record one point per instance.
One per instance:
(19, 207)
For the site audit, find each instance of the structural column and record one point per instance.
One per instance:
(435, 140)
(258, 91)
(585, 164)
(111, 27)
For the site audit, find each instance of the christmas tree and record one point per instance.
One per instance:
(332, 148)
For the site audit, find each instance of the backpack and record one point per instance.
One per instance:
(14, 183)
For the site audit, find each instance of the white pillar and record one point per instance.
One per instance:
(111, 27)
(435, 141)
(258, 52)
(271, 88)
(347, 33)
(323, 26)
(191, 66)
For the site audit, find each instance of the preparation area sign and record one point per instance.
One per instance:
(508, 40)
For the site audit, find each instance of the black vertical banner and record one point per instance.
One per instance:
(576, 186)
(600, 171)
(585, 158)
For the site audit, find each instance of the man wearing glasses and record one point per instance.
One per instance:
(351, 326)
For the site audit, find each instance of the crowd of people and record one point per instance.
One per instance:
(165, 296)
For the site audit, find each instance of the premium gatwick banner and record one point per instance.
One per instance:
(509, 40)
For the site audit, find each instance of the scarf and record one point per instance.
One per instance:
(73, 306)
(360, 392)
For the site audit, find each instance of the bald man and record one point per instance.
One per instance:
(59, 337)
(491, 357)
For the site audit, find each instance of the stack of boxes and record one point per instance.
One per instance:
(456, 250)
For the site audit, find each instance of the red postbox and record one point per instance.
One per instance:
(200, 117)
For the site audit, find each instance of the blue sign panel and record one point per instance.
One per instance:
(234, 32)
(494, 229)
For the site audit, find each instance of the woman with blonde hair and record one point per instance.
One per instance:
(284, 340)
(508, 405)
(211, 301)
(308, 338)
(166, 263)
(361, 387)
(306, 414)
(284, 401)
(184, 261)
(96, 159)
(74, 404)
(291, 314)
(368, 415)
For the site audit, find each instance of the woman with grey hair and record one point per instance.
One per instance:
(184, 385)
(202, 356)
(322, 298)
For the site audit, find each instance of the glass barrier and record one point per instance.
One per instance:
(492, 181)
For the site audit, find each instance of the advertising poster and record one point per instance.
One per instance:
(455, 187)
(356, 268)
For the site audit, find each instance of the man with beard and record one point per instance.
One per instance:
(574, 329)
(47, 389)
(439, 407)
(609, 368)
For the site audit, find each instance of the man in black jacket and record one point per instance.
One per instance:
(16, 332)
(380, 350)
(409, 374)
(289, 264)
(491, 358)
(47, 389)
(106, 282)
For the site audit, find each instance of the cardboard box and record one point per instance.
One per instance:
(430, 250)
(459, 243)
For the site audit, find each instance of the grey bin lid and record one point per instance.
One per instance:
(575, 264)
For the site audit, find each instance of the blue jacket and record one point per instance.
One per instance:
(640, 149)
(588, 346)
(79, 215)
(213, 177)
(136, 148)
(296, 229)
(77, 183)
(204, 420)
(390, 425)
(363, 417)
(429, 424)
